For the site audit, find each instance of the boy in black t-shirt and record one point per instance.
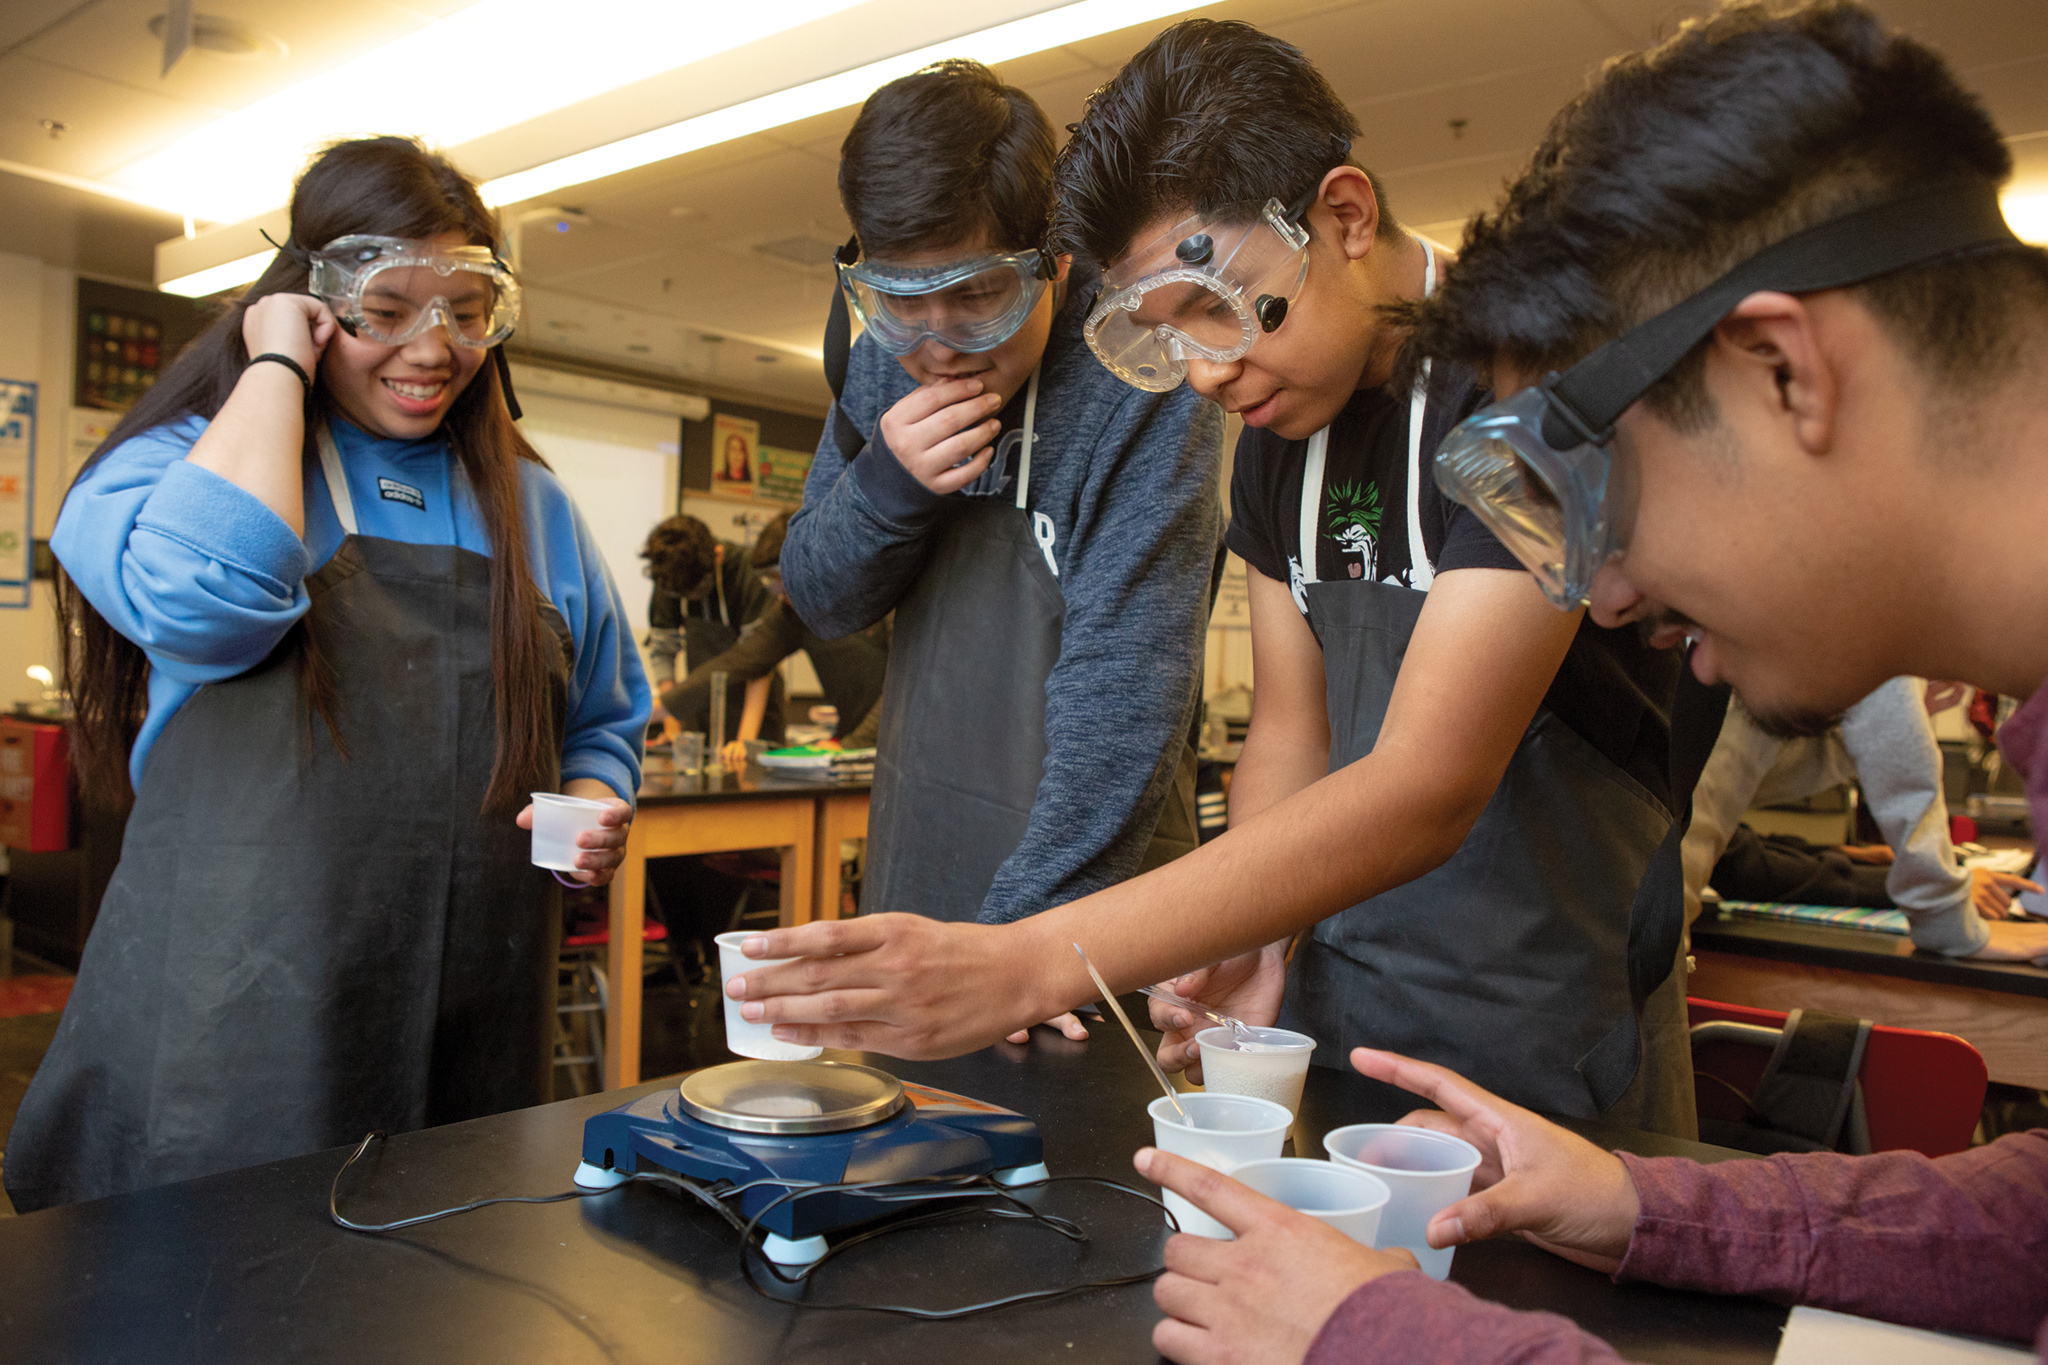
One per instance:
(1482, 780)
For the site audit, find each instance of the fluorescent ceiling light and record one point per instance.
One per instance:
(490, 66)
(1004, 42)
(2027, 215)
(205, 283)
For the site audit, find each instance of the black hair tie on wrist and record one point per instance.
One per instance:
(285, 361)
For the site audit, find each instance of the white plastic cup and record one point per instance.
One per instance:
(1274, 1070)
(1428, 1172)
(752, 1040)
(1346, 1198)
(557, 820)
(1226, 1132)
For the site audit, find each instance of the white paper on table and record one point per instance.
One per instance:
(1816, 1336)
(2014, 860)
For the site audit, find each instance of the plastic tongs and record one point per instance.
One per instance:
(1239, 1029)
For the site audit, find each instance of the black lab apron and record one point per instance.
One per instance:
(962, 746)
(297, 948)
(1509, 964)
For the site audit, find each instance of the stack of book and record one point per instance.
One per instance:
(829, 765)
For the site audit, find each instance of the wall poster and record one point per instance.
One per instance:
(735, 448)
(17, 490)
(779, 474)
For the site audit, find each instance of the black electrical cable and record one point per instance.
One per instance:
(750, 1233)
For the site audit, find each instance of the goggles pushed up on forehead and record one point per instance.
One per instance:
(1538, 468)
(1201, 288)
(974, 304)
(390, 290)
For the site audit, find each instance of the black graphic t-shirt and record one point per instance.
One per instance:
(1612, 690)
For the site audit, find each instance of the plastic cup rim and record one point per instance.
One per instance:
(1307, 1044)
(1430, 1135)
(1285, 1121)
(574, 802)
(1386, 1191)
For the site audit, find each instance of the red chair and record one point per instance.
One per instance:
(1922, 1091)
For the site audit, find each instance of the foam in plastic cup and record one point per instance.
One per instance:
(1271, 1064)
(747, 1039)
(1346, 1198)
(1222, 1132)
(557, 820)
(1428, 1172)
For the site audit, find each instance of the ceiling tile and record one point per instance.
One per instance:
(106, 123)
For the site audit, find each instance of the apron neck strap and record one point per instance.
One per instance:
(337, 480)
(1024, 451)
(1420, 573)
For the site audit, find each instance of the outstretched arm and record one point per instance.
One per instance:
(1482, 656)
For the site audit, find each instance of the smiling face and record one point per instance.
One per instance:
(404, 392)
(1795, 535)
(1002, 369)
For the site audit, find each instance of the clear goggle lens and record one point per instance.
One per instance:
(1563, 513)
(390, 291)
(1199, 290)
(968, 306)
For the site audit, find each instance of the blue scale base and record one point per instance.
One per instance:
(937, 1134)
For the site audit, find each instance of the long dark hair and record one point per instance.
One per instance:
(391, 186)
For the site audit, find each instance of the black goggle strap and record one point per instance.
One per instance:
(1940, 220)
(838, 348)
(1303, 202)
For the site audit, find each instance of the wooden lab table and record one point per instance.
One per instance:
(717, 812)
(2000, 1007)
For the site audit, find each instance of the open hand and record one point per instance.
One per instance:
(937, 427)
(1248, 986)
(1992, 892)
(1554, 1187)
(1259, 1300)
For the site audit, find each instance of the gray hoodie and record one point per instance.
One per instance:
(1128, 480)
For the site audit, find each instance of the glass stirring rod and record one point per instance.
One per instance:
(1109, 998)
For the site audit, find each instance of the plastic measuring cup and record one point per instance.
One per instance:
(1271, 1063)
(1428, 1172)
(752, 1040)
(1345, 1197)
(1224, 1132)
(557, 820)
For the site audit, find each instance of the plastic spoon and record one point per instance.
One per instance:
(1109, 998)
(1239, 1029)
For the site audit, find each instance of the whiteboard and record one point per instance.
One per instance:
(622, 468)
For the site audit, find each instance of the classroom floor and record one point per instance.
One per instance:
(32, 994)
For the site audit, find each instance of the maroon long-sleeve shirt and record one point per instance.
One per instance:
(1957, 1243)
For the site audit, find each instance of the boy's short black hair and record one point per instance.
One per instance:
(944, 154)
(1212, 117)
(1680, 162)
(681, 552)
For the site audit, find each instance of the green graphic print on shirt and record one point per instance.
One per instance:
(1351, 517)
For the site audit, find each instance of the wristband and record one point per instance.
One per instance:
(285, 361)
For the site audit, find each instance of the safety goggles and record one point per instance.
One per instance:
(1538, 467)
(974, 304)
(1201, 288)
(389, 290)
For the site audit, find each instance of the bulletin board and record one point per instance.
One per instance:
(17, 490)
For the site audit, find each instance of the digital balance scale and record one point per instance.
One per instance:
(791, 1123)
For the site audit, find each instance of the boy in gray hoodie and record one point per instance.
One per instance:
(1044, 532)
